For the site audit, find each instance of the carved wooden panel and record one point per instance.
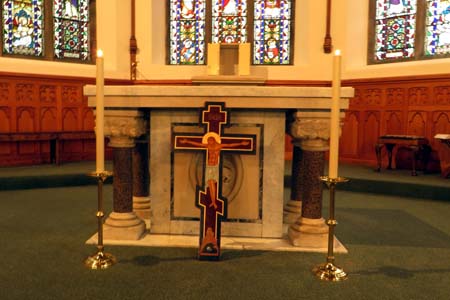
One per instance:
(442, 95)
(395, 96)
(350, 132)
(416, 123)
(4, 92)
(394, 122)
(48, 120)
(402, 105)
(419, 96)
(39, 103)
(371, 131)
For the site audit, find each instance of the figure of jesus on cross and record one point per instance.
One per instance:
(210, 199)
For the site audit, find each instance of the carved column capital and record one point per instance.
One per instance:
(311, 130)
(124, 126)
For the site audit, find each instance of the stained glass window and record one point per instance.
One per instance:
(30, 25)
(229, 21)
(395, 29)
(71, 28)
(272, 32)
(437, 36)
(23, 27)
(187, 32)
(266, 24)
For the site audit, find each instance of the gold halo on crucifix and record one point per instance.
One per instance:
(211, 134)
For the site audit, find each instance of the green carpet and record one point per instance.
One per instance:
(399, 248)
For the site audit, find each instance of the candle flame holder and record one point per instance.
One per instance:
(100, 259)
(329, 271)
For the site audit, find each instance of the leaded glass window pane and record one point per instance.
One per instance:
(71, 29)
(23, 27)
(187, 32)
(229, 21)
(395, 29)
(437, 35)
(272, 32)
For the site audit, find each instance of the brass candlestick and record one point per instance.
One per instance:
(329, 271)
(101, 259)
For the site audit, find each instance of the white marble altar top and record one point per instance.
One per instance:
(264, 97)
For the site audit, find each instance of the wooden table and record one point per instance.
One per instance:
(418, 145)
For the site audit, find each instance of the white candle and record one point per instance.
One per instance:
(335, 111)
(99, 115)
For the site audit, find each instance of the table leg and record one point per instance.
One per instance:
(378, 153)
(389, 148)
(415, 151)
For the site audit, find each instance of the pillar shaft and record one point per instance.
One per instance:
(123, 180)
(141, 175)
(123, 127)
(314, 162)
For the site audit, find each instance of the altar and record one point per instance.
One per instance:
(255, 184)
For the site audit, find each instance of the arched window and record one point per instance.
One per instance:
(49, 29)
(267, 24)
(404, 30)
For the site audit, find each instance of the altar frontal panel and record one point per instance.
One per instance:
(253, 184)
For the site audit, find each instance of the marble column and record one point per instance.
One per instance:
(123, 127)
(311, 131)
(141, 180)
(293, 208)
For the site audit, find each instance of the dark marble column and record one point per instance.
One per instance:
(293, 208)
(312, 185)
(312, 132)
(122, 127)
(123, 180)
(141, 180)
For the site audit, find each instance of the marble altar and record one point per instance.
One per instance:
(263, 110)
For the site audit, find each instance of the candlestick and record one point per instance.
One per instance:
(99, 115)
(335, 111)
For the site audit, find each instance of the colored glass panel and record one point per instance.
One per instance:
(437, 32)
(187, 32)
(71, 29)
(272, 32)
(229, 21)
(23, 27)
(395, 26)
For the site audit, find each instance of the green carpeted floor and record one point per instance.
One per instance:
(399, 248)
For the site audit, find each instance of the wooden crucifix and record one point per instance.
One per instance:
(209, 198)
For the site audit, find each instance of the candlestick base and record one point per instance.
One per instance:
(101, 175)
(100, 260)
(329, 180)
(329, 272)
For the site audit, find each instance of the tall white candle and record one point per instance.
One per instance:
(99, 115)
(335, 111)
